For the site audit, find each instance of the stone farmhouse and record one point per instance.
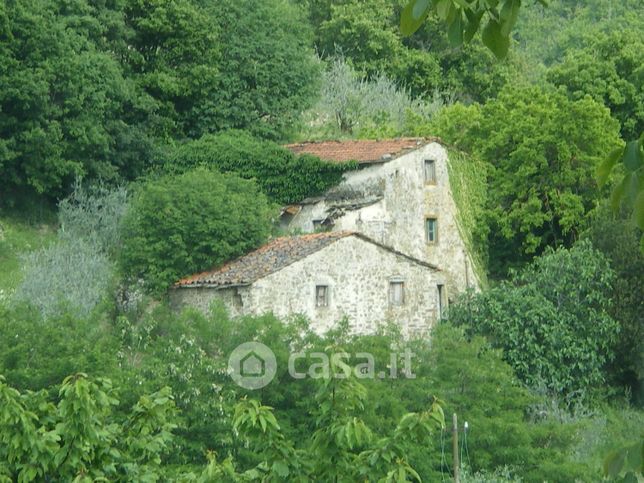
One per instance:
(383, 245)
(325, 276)
(400, 196)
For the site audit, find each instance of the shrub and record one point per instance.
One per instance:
(76, 271)
(178, 225)
(352, 104)
(550, 319)
(69, 273)
(94, 214)
(37, 353)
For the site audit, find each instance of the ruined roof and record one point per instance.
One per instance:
(272, 257)
(364, 151)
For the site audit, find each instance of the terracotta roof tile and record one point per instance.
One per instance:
(274, 256)
(270, 258)
(364, 151)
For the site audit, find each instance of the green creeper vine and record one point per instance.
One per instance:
(467, 178)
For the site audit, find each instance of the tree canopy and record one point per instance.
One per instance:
(179, 225)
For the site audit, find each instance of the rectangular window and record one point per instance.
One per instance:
(441, 297)
(321, 295)
(237, 299)
(396, 293)
(430, 171)
(431, 230)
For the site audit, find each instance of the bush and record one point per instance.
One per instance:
(551, 319)
(94, 214)
(37, 353)
(71, 273)
(178, 225)
(76, 271)
(366, 107)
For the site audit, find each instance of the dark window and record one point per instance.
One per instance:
(431, 230)
(430, 171)
(237, 299)
(440, 289)
(321, 295)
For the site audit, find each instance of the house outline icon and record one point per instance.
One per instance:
(252, 365)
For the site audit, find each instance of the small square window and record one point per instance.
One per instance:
(431, 230)
(396, 293)
(430, 171)
(321, 295)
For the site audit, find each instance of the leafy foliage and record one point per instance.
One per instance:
(463, 20)
(617, 237)
(629, 190)
(281, 175)
(173, 56)
(179, 225)
(65, 102)
(350, 105)
(543, 150)
(550, 319)
(609, 69)
(267, 71)
(80, 438)
(37, 353)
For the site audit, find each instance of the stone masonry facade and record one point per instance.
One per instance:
(390, 200)
(359, 277)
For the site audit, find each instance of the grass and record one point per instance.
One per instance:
(17, 236)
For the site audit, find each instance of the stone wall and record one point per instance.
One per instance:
(358, 274)
(397, 216)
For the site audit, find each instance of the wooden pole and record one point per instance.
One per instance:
(457, 477)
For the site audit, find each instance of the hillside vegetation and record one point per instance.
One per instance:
(142, 141)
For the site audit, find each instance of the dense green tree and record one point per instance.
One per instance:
(551, 320)
(65, 105)
(173, 54)
(267, 70)
(476, 383)
(617, 237)
(367, 36)
(545, 34)
(543, 150)
(178, 225)
(610, 69)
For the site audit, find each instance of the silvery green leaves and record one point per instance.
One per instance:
(76, 272)
(463, 19)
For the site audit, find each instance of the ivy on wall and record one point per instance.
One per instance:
(467, 178)
(281, 175)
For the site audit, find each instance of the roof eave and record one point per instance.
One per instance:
(211, 285)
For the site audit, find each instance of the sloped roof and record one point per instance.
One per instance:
(273, 257)
(364, 151)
